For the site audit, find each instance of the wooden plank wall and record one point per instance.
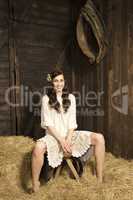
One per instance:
(5, 117)
(112, 78)
(119, 68)
(42, 36)
(91, 80)
(85, 81)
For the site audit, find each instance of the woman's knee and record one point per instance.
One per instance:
(100, 138)
(38, 150)
(97, 138)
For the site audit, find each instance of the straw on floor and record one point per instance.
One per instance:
(15, 177)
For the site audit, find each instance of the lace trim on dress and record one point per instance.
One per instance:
(81, 143)
(54, 152)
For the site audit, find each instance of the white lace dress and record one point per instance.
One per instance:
(62, 122)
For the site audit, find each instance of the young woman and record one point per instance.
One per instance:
(58, 117)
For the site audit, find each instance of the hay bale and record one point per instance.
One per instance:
(15, 177)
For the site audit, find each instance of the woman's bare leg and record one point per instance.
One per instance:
(99, 150)
(37, 163)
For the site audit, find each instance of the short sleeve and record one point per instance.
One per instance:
(46, 119)
(72, 122)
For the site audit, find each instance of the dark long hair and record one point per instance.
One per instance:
(53, 102)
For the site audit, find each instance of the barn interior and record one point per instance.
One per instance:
(36, 37)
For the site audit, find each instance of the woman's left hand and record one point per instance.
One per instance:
(68, 140)
(65, 146)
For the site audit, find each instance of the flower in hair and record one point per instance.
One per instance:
(49, 79)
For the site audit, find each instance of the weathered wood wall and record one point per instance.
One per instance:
(118, 78)
(42, 35)
(5, 117)
(112, 79)
(84, 81)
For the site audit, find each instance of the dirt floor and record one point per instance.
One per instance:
(15, 177)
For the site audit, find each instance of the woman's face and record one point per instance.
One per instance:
(58, 83)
